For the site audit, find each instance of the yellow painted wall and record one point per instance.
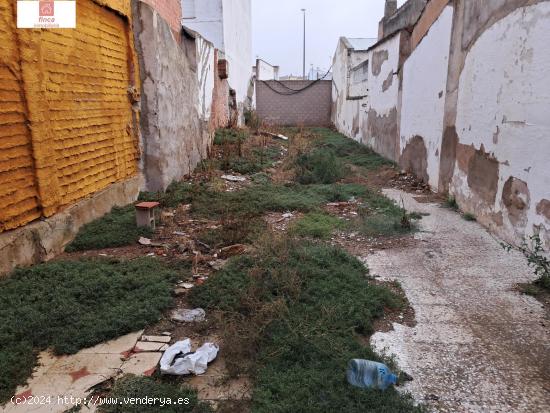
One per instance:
(67, 128)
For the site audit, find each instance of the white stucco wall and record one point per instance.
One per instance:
(423, 95)
(228, 25)
(205, 74)
(237, 32)
(382, 101)
(205, 17)
(265, 71)
(346, 114)
(504, 106)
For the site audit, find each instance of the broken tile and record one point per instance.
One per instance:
(157, 339)
(149, 346)
(141, 364)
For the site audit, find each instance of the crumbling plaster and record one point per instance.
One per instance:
(175, 139)
(423, 99)
(502, 109)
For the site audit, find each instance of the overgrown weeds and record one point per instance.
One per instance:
(176, 194)
(115, 229)
(537, 258)
(451, 203)
(69, 305)
(294, 310)
(258, 199)
(319, 167)
(380, 216)
(317, 225)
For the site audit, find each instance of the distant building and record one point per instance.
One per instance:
(228, 25)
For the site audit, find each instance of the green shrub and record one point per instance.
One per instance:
(176, 194)
(258, 199)
(230, 136)
(298, 307)
(319, 167)
(131, 386)
(115, 229)
(317, 225)
(70, 305)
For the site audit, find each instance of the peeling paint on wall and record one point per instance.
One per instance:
(175, 139)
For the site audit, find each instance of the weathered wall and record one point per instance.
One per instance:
(205, 55)
(311, 107)
(266, 71)
(169, 10)
(406, 16)
(423, 100)
(68, 125)
(220, 113)
(382, 131)
(347, 114)
(472, 108)
(175, 139)
(237, 34)
(502, 122)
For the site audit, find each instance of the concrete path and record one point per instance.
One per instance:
(478, 346)
(60, 382)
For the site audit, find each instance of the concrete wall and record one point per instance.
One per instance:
(382, 131)
(472, 104)
(169, 10)
(206, 60)
(348, 115)
(265, 71)
(237, 34)
(228, 25)
(423, 101)
(311, 107)
(175, 139)
(205, 17)
(502, 125)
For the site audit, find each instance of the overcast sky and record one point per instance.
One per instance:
(278, 26)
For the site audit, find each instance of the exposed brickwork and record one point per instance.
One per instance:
(311, 107)
(219, 117)
(67, 127)
(170, 10)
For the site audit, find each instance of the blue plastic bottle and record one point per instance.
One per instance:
(370, 374)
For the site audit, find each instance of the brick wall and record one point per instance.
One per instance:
(170, 10)
(219, 117)
(311, 107)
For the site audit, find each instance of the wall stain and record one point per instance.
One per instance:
(516, 198)
(415, 158)
(388, 82)
(378, 59)
(483, 175)
(382, 133)
(543, 208)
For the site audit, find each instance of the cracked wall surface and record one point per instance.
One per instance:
(473, 94)
(175, 138)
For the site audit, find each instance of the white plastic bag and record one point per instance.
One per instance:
(179, 360)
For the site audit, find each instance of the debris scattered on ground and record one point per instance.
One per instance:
(369, 374)
(144, 241)
(232, 250)
(156, 339)
(234, 178)
(188, 316)
(179, 360)
(288, 215)
(217, 264)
